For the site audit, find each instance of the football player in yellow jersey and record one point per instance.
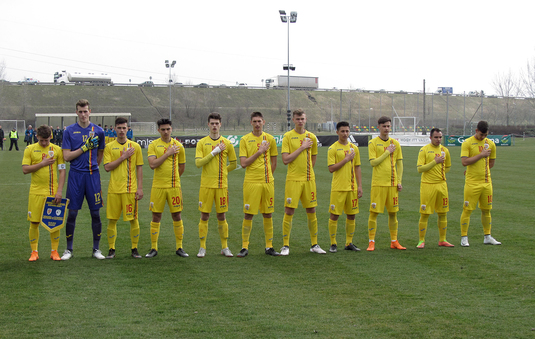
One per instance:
(434, 162)
(45, 162)
(211, 154)
(258, 155)
(343, 159)
(299, 151)
(123, 158)
(478, 155)
(168, 160)
(387, 162)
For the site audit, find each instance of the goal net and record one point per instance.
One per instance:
(7, 125)
(144, 128)
(404, 125)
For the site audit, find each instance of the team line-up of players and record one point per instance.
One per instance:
(83, 148)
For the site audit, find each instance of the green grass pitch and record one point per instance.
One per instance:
(480, 291)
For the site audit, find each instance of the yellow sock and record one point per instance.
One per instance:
(222, 227)
(268, 231)
(333, 225)
(54, 240)
(393, 226)
(154, 234)
(486, 220)
(286, 229)
(246, 233)
(34, 235)
(465, 222)
(422, 226)
(442, 226)
(112, 232)
(350, 230)
(203, 232)
(312, 222)
(134, 232)
(178, 227)
(372, 225)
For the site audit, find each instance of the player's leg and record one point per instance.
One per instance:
(422, 229)
(377, 199)
(471, 197)
(309, 201)
(134, 223)
(221, 207)
(158, 198)
(54, 244)
(34, 240)
(485, 204)
(206, 198)
(267, 206)
(351, 208)
(75, 194)
(292, 192)
(252, 194)
(442, 208)
(114, 207)
(93, 195)
(392, 207)
(176, 206)
(333, 227)
(335, 210)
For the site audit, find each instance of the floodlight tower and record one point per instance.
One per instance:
(170, 65)
(292, 18)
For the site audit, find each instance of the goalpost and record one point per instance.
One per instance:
(403, 125)
(7, 126)
(144, 128)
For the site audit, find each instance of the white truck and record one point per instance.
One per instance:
(90, 79)
(281, 81)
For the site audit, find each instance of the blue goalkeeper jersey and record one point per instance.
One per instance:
(75, 137)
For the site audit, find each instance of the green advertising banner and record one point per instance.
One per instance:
(499, 140)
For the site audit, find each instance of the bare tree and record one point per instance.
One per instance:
(506, 86)
(2, 70)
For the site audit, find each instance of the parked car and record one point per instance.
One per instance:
(202, 85)
(179, 84)
(28, 81)
(146, 84)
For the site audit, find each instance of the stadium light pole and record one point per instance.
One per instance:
(292, 18)
(170, 65)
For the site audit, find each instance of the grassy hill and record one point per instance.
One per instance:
(191, 105)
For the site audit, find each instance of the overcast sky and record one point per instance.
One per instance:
(390, 45)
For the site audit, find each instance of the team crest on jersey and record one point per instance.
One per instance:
(51, 154)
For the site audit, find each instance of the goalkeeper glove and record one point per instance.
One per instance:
(90, 144)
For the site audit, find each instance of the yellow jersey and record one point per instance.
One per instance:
(301, 169)
(45, 179)
(260, 169)
(478, 172)
(215, 173)
(345, 178)
(166, 175)
(437, 173)
(123, 179)
(384, 174)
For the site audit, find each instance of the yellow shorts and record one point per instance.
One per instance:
(434, 197)
(384, 196)
(258, 196)
(35, 207)
(125, 202)
(344, 201)
(209, 195)
(474, 193)
(159, 196)
(300, 190)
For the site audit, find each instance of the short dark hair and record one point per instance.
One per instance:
(342, 124)
(82, 103)
(44, 131)
(298, 112)
(256, 114)
(383, 119)
(215, 116)
(433, 130)
(120, 121)
(164, 121)
(483, 126)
